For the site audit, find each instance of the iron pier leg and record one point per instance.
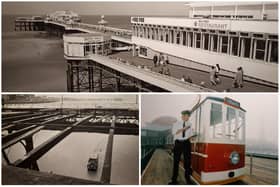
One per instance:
(29, 147)
(69, 77)
(100, 80)
(118, 82)
(6, 157)
(78, 78)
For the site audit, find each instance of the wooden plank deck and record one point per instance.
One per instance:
(159, 171)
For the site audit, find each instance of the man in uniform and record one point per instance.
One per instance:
(182, 133)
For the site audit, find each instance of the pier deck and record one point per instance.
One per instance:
(159, 171)
(165, 82)
(67, 121)
(197, 76)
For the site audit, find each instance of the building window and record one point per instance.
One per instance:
(190, 39)
(260, 49)
(172, 36)
(234, 46)
(274, 52)
(184, 38)
(178, 38)
(198, 40)
(206, 41)
(224, 44)
(245, 47)
(166, 38)
(86, 49)
(143, 51)
(214, 43)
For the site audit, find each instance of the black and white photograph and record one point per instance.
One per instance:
(140, 46)
(70, 139)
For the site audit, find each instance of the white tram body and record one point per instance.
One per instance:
(218, 150)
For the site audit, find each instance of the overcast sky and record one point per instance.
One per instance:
(97, 8)
(262, 112)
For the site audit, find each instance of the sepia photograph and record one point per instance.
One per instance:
(50, 139)
(140, 46)
(208, 139)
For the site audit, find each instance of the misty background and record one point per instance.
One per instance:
(261, 115)
(96, 8)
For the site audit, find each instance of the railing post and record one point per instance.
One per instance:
(251, 163)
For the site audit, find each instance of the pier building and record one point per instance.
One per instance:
(229, 34)
(84, 44)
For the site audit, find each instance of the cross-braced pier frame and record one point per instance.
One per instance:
(90, 76)
(21, 127)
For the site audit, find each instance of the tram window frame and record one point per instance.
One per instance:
(214, 119)
(230, 122)
(241, 127)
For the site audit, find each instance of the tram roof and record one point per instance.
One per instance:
(218, 99)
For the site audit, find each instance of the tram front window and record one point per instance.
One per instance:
(230, 123)
(216, 121)
(241, 126)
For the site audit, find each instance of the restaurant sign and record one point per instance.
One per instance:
(209, 24)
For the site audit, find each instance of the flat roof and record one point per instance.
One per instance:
(233, 3)
(218, 99)
(86, 34)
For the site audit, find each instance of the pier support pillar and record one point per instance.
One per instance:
(100, 80)
(29, 146)
(69, 77)
(90, 79)
(6, 157)
(118, 82)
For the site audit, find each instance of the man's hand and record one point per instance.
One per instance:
(182, 129)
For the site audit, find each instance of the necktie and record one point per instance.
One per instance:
(183, 131)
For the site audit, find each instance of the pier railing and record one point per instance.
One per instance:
(91, 27)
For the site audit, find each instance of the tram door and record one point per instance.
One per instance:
(196, 125)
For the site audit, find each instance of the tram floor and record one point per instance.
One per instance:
(197, 76)
(159, 170)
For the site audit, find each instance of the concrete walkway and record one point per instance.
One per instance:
(196, 75)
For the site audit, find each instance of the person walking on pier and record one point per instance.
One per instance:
(213, 76)
(155, 60)
(182, 133)
(238, 80)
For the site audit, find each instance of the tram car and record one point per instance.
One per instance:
(218, 150)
